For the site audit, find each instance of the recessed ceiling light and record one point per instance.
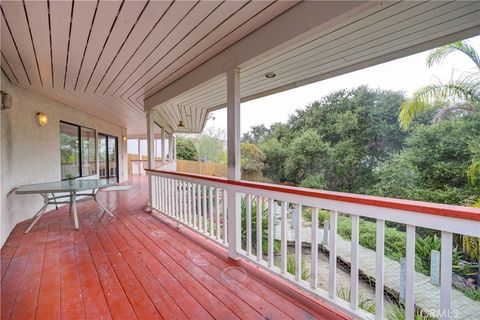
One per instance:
(270, 75)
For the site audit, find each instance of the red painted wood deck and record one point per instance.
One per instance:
(135, 266)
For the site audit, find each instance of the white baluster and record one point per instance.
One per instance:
(332, 247)
(210, 209)
(248, 223)
(283, 231)
(298, 243)
(204, 197)
(354, 262)
(217, 213)
(314, 249)
(379, 269)
(271, 208)
(189, 203)
(194, 204)
(259, 228)
(199, 207)
(446, 276)
(410, 274)
(225, 214)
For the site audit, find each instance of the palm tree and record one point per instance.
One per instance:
(452, 99)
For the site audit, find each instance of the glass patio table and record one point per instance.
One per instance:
(65, 192)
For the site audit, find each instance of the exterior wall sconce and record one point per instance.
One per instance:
(124, 138)
(42, 119)
(6, 100)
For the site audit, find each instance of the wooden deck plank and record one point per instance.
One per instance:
(13, 275)
(49, 294)
(139, 300)
(72, 306)
(134, 266)
(113, 291)
(11, 245)
(190, 306)
(167, 307)
(231, 280)
(232, 301)
(95, 304)
(26, 300)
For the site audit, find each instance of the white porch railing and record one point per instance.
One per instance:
(200, 203)
(139, 166)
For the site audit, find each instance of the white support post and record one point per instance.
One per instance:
(169, 155)
(139, 149)
(379, 268)
(163, 144)
(233, 149)
(446, 276)
(174, 148)
(410, 274)
(151, 161)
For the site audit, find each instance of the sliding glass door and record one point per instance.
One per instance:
(108, 156)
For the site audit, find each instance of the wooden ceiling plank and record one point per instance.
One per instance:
(60, 14)
(7, 70)
(334, 47)
(37, 13)
(11, 56)
(104, 21)
(127, 18)
(302, 64)
(161, 30)
(153, 13)
(258, 13)
(179, 32)
(369, 17)
(198, 39)
(17, 23)
(83, 15)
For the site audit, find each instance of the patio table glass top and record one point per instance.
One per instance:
(65, 186)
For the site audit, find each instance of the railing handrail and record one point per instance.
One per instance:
(445, 210)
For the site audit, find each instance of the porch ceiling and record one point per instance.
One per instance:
(102, 57)
(386, 31)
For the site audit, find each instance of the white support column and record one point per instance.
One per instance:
(170, 147)
(139, 149)
(151, 160)
(174, 148)
(163, 144)
(233, 150)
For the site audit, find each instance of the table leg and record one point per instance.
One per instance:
(101, 205)
(74, 207)
(39, 214)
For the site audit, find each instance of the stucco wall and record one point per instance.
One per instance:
(31, 153)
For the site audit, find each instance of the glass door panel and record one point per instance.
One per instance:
(112, 158)
(108, 157)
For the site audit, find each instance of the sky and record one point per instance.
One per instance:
(406, 74)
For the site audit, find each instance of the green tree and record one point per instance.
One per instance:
(336, 143)
(437, 165)
(211, 145)
(186, 150)
(252, 157)
(256, 135)
(455, 98)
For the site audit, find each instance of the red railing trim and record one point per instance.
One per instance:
(467, 213)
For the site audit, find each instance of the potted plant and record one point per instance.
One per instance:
(70, 178)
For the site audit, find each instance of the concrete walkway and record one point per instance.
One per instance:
(427, 296)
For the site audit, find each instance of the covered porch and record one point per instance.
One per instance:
(136, 266)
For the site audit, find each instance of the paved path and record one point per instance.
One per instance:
(427, 296)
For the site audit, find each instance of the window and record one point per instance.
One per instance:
(77, 146)
(89, 160)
